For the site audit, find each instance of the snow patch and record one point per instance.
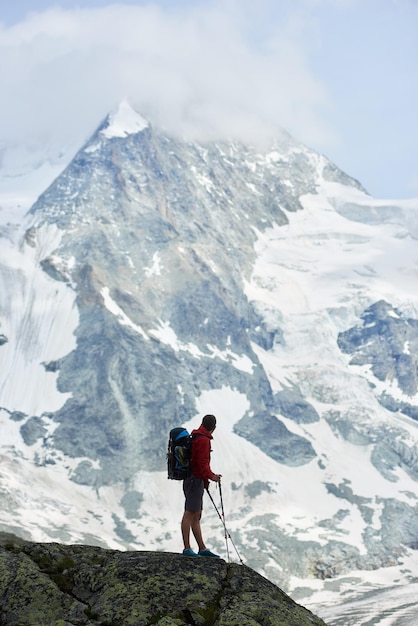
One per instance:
(39, 330)
(155, 269)
(121, 316)
(166, 334)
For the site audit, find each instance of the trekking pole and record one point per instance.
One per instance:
(223, 523)
(223, 518)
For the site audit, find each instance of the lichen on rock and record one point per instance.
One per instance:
(76, 585)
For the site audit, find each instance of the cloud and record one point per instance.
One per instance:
(206, 70)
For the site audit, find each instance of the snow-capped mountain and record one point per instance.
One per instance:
(156, 280)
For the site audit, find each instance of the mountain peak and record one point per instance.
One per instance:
(124, 121)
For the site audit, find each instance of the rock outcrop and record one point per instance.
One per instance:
(63, 585)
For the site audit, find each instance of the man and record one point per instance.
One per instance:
(194, 485)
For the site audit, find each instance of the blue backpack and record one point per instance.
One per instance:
(179, 453)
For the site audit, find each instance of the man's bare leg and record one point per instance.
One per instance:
(191, 520)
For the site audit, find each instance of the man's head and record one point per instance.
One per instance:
(209, 422)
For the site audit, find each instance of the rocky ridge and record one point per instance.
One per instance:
(76, 585)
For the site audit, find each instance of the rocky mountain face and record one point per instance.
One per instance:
(84, 585)
(164, 231)
(158, 279)
(386, 341)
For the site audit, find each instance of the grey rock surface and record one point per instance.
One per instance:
(86, 585)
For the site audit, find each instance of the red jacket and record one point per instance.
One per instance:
(200, 461)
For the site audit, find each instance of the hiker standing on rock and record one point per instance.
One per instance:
(195, 484)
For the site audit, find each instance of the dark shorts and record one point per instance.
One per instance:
(193, 491)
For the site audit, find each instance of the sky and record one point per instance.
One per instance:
(339, 75)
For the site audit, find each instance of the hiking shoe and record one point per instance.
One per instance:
(189, 552)
(208, 553)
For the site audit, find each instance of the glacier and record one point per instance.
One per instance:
(154, 280)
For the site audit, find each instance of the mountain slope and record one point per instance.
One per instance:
(156, 280)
